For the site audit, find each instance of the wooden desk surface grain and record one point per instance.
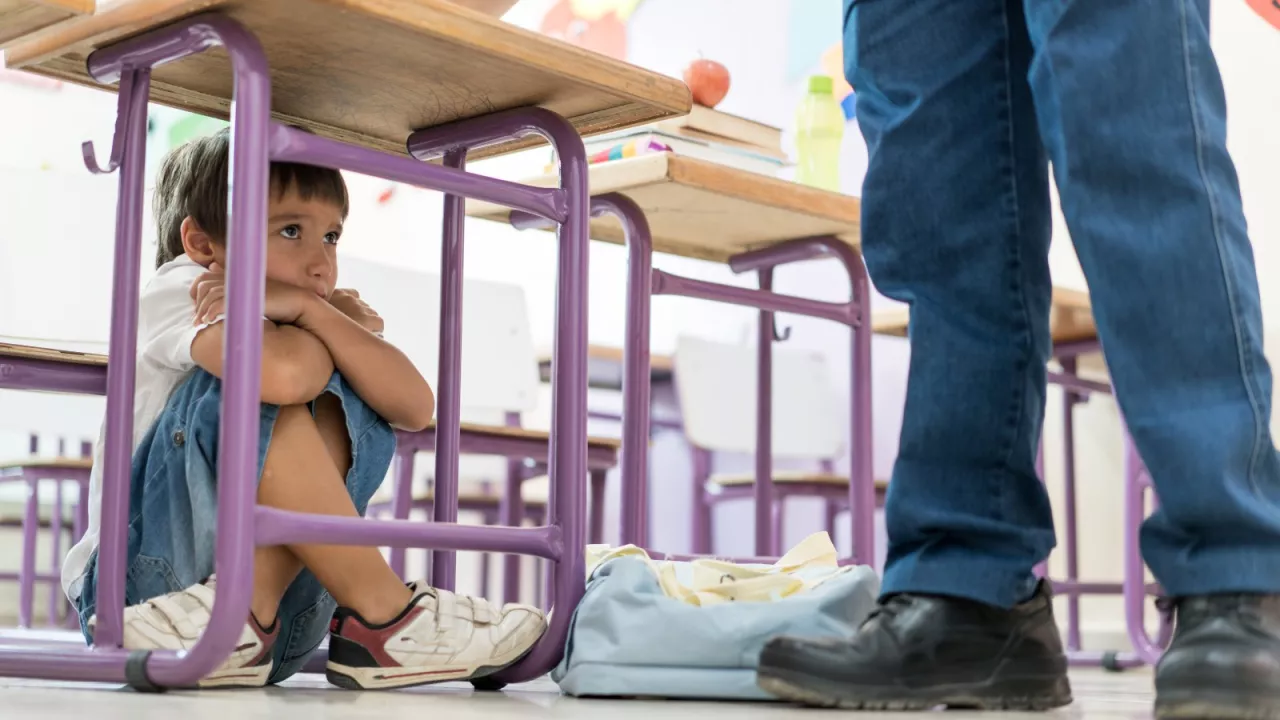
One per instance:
(371, 72)
(19, 18)
(703, 210)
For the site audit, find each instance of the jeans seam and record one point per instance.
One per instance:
(1018, 401)
(1246, 369)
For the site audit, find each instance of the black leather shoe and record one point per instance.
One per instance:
(917, 652)
(1224, 661)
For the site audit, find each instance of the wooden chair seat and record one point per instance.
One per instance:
(788, 477)
(534, 491)
(14, 520)
(62, 463)
(523, 433)
(29, 352)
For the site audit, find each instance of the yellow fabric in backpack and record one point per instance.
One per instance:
(810, 563)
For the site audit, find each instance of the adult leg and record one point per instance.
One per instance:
(1131, 105)
(955, 222)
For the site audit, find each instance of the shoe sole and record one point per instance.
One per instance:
(1191, 704)
(250, 677)
(1016, 693)
(382, 678)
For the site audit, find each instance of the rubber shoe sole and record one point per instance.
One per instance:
(998, 693)
(391, 678)
(1199, 704)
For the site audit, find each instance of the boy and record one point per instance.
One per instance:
(331, 391)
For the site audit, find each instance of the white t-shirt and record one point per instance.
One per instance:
(165, 332)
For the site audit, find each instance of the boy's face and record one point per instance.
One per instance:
(302, 243)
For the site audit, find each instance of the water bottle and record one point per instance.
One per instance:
(819, 129)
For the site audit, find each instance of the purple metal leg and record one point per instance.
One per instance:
(862, 478)
(128, 62)
(764, 425)
(82, 510)
(777, 524)
(449, 392)
(595, 527)
(568, 454)
(56, 526)
(703, 512)
(402, 503)
(118, 443)
(1069, 400)
(511, 509)
(30, 528)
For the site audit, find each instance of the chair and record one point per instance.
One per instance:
(38, 481)
(716, 387)
(499, 382)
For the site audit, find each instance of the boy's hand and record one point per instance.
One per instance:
(284, 304)
(348, 302)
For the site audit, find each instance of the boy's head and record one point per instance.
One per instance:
(307, 208)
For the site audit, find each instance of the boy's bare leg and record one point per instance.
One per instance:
(276, 567)
(302, 474)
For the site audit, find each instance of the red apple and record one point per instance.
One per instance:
(708, 81)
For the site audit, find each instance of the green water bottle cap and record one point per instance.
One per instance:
(820, 84)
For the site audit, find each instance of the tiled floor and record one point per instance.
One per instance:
(1099, 696)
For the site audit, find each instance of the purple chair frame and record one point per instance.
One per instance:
(518, 452)
(242, 525)
(835, 498)
(1134, 588)
(27, 577)
(644, 282)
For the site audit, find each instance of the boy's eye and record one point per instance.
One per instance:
(293, 232)
(332, 237)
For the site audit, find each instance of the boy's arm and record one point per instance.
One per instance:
(296, 366)
(380, 374)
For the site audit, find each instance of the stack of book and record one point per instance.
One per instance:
(704, 134)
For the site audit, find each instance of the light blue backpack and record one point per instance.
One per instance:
(629, 638)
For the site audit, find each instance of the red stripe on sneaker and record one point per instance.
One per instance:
(425, 673)
(375, 639)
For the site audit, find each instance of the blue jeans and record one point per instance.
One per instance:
(963, 103)
(173, 508)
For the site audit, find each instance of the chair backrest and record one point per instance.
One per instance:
(716, 384)
(499, 362)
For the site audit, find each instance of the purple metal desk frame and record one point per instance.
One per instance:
(644, 282)
(524, 458)
(1137, 483)
(242, 525)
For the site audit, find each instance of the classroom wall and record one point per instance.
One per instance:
(41, 127)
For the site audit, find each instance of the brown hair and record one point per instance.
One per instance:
(192, 182)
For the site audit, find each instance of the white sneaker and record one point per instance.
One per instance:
(177, 620)
(439, 637)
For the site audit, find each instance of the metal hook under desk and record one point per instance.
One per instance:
(782, 336)
(127, 85)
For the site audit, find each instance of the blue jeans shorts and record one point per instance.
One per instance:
(173, 508)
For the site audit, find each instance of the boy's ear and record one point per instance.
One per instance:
(196, 242)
